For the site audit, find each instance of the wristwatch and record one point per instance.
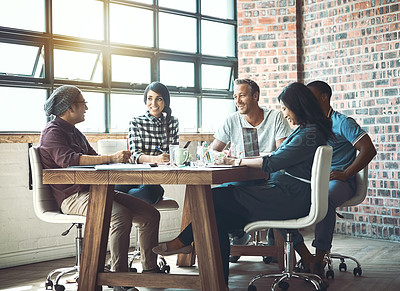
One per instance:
(238, 162)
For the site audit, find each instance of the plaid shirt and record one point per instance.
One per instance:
(147, 132)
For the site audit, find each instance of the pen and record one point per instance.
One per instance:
(160, 150)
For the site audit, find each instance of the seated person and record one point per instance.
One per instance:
(149, 138)
(282, 196)
(349, 138)
(271, 128)
(62, 145)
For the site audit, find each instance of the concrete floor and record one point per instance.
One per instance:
(380, 261)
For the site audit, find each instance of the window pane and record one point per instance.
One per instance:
(94, 117)
(80, 18)
(21, 60)
(130, 69)
(177, 33)
(185, 5)
(80, 66)
(222, 8)
(216, 77)
(214, 112)
(123, 108)
(185, 109)
(23, 14)
(218, 39)
(177, 73)
(131, 25)
(22, 102)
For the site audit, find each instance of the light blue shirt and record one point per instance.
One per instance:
(347, 133)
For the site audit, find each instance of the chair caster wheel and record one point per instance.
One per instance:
(252, 288)
(59, 288)
(342, 267)
(163, 265)
(357, 271)
(49, 285)
(283, 285)
(267, 260)
(166, 269)
(234, 259)
(330, 274)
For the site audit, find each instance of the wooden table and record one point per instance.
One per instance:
(198, 183)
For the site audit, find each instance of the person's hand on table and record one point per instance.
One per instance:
(225, 161)
(162, 159)
(121, 157)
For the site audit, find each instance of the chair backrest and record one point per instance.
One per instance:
(320, 182)
(44, 204)
(320, 173)
(111, 146)
(361, 190)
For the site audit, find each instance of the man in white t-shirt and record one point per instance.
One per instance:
(271, 128)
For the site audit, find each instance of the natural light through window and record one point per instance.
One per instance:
(130, 69)
(80, 66)
(84, 18)
(112, 50)
(18, 59)
(131, 25)
(178, 74)
(31, 17)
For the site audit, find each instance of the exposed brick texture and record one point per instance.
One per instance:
(355, 47)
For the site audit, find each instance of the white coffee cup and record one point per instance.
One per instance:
(181, 156)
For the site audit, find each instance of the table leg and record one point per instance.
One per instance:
(186, 260)
(206, 237)
(96, 236)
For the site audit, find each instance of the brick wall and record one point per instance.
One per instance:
(354, 46)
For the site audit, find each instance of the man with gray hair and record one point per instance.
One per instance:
(62, 145)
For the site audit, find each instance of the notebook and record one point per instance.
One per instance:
(250, 141)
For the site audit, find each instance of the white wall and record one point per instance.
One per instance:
(24, 239)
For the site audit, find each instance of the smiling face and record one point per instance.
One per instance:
(244, 101)
(155, 103)
(288, 114)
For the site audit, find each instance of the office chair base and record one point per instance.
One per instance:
(49, 284)
(357, 271)
(282, 279)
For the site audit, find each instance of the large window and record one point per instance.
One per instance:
(112, 50)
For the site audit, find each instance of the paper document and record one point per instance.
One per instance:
(123, 167)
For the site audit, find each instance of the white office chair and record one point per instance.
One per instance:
(359, 197)
(110, 146)
(46, 209)
(319, 205)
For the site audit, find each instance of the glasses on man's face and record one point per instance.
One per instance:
(81, 102)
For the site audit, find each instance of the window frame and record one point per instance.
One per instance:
(49, 42)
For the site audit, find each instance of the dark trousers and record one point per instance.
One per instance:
(148, 193)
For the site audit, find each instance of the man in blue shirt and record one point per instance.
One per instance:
(349, 138)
